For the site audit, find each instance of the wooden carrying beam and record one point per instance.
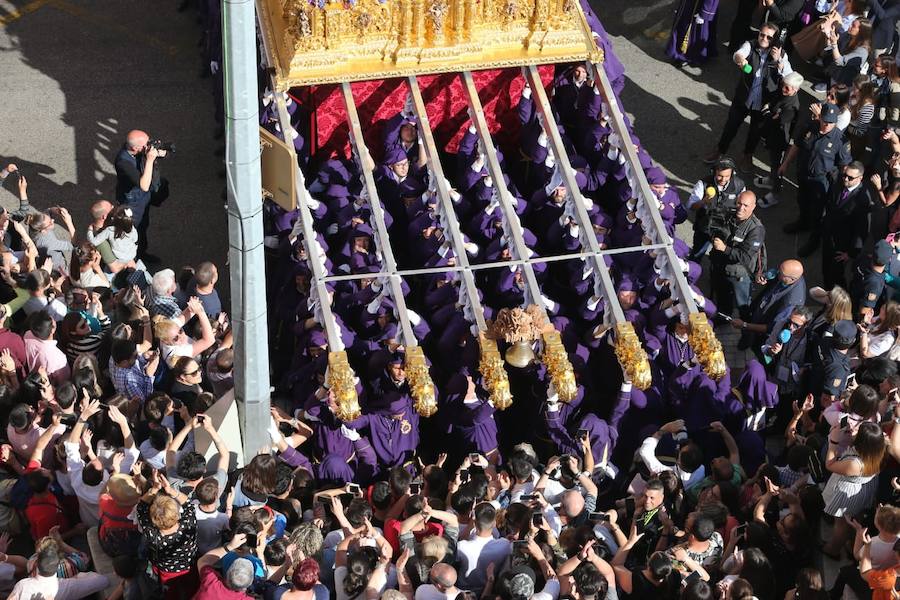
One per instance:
(443, 191)
(366, 164)
(316, 265)
(513, 226)
(539, 97)
(681, 288)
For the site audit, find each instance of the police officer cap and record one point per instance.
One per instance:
(845, 332)
(829, 113)
(883, 253)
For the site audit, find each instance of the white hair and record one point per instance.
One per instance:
(793, 80)
(163, 282)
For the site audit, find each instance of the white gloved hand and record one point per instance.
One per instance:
(312, 203)
(350, 434)
(332, 229)
(699, 20)
(549, 162)
(373, 306)
(213, 67)
(274, 433)
(526, 93)
(478, 164)
(542, 140)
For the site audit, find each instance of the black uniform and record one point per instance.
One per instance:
(867, 288)
(819, 156)
(733, 269)
(778, 130)
(830, 370)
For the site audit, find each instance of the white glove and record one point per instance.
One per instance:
(455, 196)
(549, 162)
(479, 163)
(350, 434)
(408, 111)
(213, 67)
(373, 306)
(274, 433)
(414, 317)
(312, 203)
(472, 129)
(542, 140)
(573, 230)
(488, 182)
(471, 248)
(698, 20)
(332, 229)
(526, 93)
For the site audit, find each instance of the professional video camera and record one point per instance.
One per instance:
(720, 221)
(162, 146)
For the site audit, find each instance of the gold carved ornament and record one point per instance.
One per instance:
(420, 384)
(706, 347)
(329, 41)
(342, 382)
(559, 367)
(494, 376)
(632, 357)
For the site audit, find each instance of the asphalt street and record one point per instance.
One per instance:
(77, 76)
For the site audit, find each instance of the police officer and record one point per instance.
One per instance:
(716, 196)
(735, 259)
(832, 365)
(820, 150)
(867, 287)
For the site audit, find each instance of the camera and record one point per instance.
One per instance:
(720, 219)
(161, 146)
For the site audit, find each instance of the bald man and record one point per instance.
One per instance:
(443, 584)
(136, 180)
(772, 305)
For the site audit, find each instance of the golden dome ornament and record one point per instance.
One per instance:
(520, 354)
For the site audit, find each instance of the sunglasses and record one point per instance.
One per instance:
(192, 373)
(851, 177)
(766, 36)
(794, 325)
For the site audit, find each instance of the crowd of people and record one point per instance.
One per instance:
(116, 481)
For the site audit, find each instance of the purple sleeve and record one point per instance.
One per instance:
(622, 403)
(467, 144)
(558, 433)
(295, 458)
(708, 9)
(392, 131)
(525, 108)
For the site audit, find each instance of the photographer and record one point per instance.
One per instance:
(762, 63)
(138, 183)
(736, 257)
(713, 198)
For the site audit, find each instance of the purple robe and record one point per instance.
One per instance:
(701, 38)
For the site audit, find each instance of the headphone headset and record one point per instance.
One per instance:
(723, 164)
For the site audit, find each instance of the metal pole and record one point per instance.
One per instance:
(245, 223)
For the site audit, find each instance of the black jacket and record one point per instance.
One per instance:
(781, 120)
(884, 14)
(845, 224)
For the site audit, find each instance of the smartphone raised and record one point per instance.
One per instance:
(629, 506)
(537, 518)
(464, 475)
(415, 488)
(598, 516)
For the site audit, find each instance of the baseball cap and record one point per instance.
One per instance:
(883, 253)
(845, 332)
(520, 582)
(829, 113)
(239, 576)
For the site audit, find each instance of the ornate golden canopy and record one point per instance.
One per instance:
(335, 41)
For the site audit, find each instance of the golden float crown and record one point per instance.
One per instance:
(335, 41)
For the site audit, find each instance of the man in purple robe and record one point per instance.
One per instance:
(693, 39)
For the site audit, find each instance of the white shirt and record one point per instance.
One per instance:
(53, 588)
(785, 69)
(88, 495)
(475, 555)
(647, 453)
(429, 592)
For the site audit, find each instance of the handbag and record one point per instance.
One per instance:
(809, 42)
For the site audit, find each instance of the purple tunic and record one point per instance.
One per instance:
(701, 37)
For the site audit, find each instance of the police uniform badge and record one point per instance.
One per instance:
(836, 383)
(405, 427)
(872, 296)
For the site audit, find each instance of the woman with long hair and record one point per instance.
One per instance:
(121, 234)
(863, 105)
(853, 484)
(848, 53)
(881, 335)
(85, 270)
(658, 580)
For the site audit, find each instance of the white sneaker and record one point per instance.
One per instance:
(768, 200)
(762, 182)
(820, 88)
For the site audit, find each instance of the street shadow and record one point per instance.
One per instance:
(115, 78)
